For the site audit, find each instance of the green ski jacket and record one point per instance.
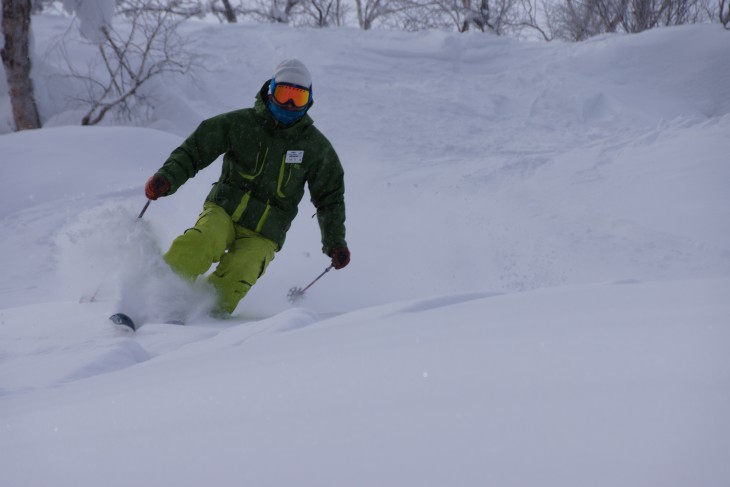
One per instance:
(265, 167)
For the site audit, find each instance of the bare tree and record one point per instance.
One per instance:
(465, 13)
(496, 16)
(369, 11)
(228, 11)
(146, 47)
(323, 13)
(224, 10)
(580, 19)
(537, 16)
(483, 15)
(612, 13)
(339, 13)
(278, 11)
(181, 8)
(577, 20)
(16, 60)
(642, 15)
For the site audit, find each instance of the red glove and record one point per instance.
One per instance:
(156, 186)
(340, 257)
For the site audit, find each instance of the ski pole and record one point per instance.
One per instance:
(145, 208)
(297, 293)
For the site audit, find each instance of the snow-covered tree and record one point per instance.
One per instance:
(94, 16)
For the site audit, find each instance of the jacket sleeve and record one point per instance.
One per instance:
(327, 189)
(197, 152)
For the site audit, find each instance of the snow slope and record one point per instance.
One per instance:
(538, 291)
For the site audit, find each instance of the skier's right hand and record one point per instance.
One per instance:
(156, 186)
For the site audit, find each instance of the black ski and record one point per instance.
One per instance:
(123, 320)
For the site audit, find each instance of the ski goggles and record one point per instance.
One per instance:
(298, 96)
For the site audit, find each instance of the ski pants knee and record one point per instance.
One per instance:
(242, 255)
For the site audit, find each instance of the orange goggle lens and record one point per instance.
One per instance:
(298, 96)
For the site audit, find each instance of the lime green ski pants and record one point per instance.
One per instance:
(243, 255)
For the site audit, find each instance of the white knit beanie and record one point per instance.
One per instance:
(293, 71)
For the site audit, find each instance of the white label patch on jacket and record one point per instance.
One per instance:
(294, 156)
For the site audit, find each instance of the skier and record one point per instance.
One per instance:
(269, 152)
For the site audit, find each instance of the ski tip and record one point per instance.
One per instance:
(123, 320)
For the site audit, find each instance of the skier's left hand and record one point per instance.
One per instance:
(340, 257)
